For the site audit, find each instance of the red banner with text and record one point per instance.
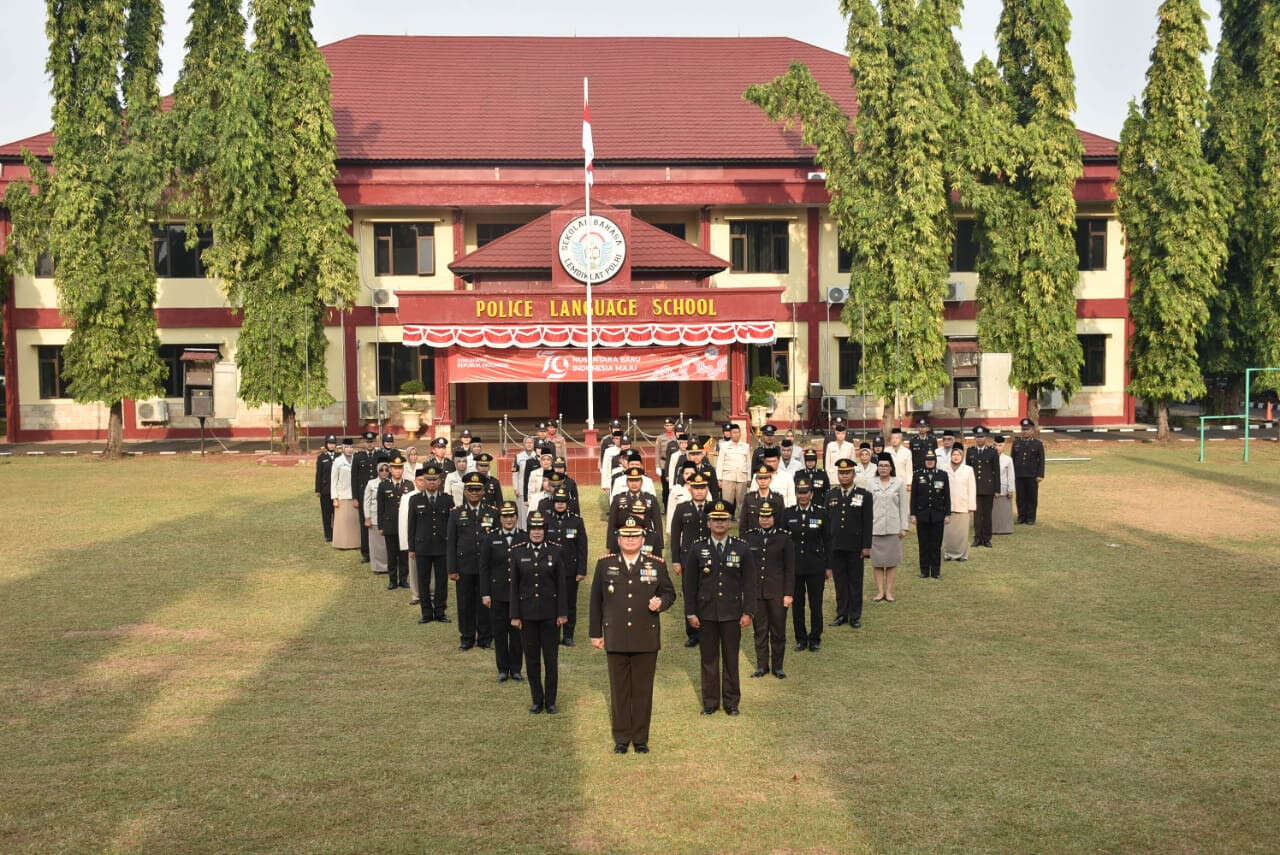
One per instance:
(537, 365)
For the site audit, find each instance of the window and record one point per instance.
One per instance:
(772, 360)
(505, 397)
(398, 363)
(52, 382)
(1091, 244)
(44, 266)
(170, 254)
(404, 249)
(844, 260)
(758, 246)
(659, 396)
(673, 229)
(489, 232)
(964, 251)
(1094, 370)
(849, 362)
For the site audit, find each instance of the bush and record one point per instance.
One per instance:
(761, 390)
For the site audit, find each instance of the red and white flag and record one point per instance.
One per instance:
(589, 150)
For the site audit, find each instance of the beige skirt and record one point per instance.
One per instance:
(886, 550)
(1002, 515)
(346, 526)
(955, 536)
(377, 551)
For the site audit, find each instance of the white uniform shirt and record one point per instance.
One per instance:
(964, 489)
(606, 467)
(783, 482)
(1006, 475)
(679, 494)
(734, 461)
(340, 479)
(838, 451)
(371, 502)
(795, 464)
(862, 475)
(453, 486)
(902, 464)
(404, 517)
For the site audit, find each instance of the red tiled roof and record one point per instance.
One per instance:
(529, 248)
(39, 144)
(462, 98)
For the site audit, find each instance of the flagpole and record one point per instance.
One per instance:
(586, 180)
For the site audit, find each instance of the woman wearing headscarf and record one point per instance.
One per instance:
(346, 519)
(891, 518)
(1002, 504)
(377, 545)
(964, 499)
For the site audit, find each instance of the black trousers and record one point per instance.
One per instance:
(631, 695)
(846, 572)
(770, 626)
(718, 642)
(809, 586)
(397, 560)
(929, 539)
(571, 593)
(364, 532)
(472, 627)
(506, 638)
(428, 566)
(541, 648)
(982, 519)
(326, 516)
(1028, 497)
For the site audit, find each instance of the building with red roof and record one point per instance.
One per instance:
(460, 162)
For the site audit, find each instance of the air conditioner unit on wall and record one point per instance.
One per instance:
(953, 292)
(386, 298)
(1051, 399)
(373, 410)
(154, 411)
(834, 403)
(836, 294)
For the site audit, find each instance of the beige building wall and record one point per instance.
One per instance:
(794, 281)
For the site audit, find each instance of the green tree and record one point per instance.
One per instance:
(93, 211)
(1170, 202)
(890, 201)
(281, 246)
(1243, 143)
(1023, 158)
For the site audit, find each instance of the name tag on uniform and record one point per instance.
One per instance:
(571, 533)
(815, 523)
(487, 522)
(613, 571)
(705, 553)
(937, 485)
(857, 501)
(462, 517)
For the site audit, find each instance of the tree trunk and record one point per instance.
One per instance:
(1162, 420)
(115, 431)
(886, 420)
(1033, 408)
(288, 430)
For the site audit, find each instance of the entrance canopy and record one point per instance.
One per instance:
(541, 365)
(604, 335)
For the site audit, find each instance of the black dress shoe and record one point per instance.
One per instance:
(840, 620)
(759, 672)
(364, 559)
(551, 709)
(801, 645)
(568, 642)
(465, 646)
(483, 645)
(730, 710)
(856, 623)
(535, 709)
(404, 584)
(424, 620)
(924, 575)
(443, 619)
(392, 586)
(975, 544)
(693, 642)
(620, 748)
(502, 678)
(517, 676)
(709, 710)
(641, 748)
(815, 646)
(780, 674)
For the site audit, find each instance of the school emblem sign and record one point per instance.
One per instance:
(598, 248)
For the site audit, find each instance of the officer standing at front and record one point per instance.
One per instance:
(428, 533)
(930, 510)
(495, 591)
(538, 609)
(775, 559)
(324, 469)
(1028, 471)
(628, 592)
(806, 524)
(985, 462)
(721, 587)
(469, 525)
(849, 517)
(568, 531)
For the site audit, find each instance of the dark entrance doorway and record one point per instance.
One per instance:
(572, 398)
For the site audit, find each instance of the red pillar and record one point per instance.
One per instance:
(704, 229)
(553, 400)
(813, 327)
(440, 363)
(738, 382)
(352, 381)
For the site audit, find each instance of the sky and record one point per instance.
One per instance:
(1110, 45)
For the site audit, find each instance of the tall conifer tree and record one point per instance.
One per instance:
(1024, 156)
(281, 246)
(891, 199)
(1170, 202)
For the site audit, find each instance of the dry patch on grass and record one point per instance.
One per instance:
(145, 632)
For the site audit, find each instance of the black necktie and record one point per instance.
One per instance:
(720, 549)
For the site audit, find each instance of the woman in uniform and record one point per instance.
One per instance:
(891, 518)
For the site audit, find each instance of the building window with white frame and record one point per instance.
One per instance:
(759, 246)
(404, 249)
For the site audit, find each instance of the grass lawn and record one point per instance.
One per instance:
(188, 667)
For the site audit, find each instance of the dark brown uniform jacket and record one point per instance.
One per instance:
(721, 589)
(620, 603)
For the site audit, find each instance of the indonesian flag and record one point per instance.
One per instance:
(589, 150)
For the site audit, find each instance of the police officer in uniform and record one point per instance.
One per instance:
(388, 452)
(816, 476)
(568, 531)
(849, 523)
(751, 503)
(930, 508)
(364, 470)
(922, 441)
(698, 458)
(775, 560)
(628, 592)
(622, 506)
(1028, 472)
(390, 492)
(570, 485)
(440, 455)
(806, 525)
(324, 469)
(768, 439)
(469, 525)
(984, 459)
(428, 533)
(688, 525)
(492, 486)
(495, 591)
(721, 587)
(537, 608)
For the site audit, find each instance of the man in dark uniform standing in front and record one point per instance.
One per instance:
(495, 592)
(324, 468)
(440, 455)
(390, 492)
(688, 525)
(985, 462)
(721, 587)
(849, 523)
(775, 558)
(1028, 472)
(628, 592)
(922, 441)
(806, 524)
(930, 507)
(567, 531)
(469, 525)
(364, 470)
(537, 609)
(428, 532)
